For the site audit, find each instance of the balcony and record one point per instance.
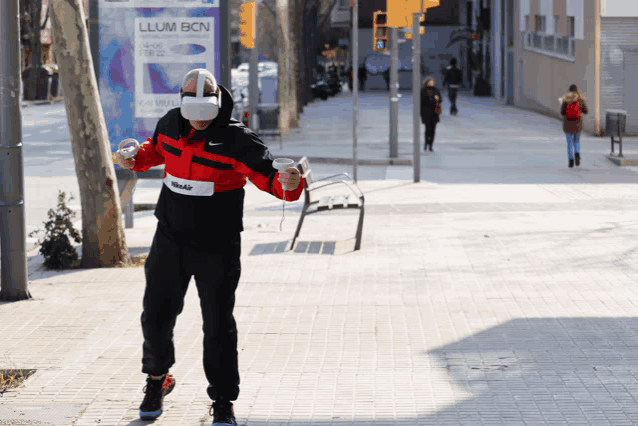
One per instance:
(550, 45)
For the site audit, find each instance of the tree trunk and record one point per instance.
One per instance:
(294, 68)
(35, 15)
(284, 66)
(104, 242)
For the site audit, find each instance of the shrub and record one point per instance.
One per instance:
(56, 245)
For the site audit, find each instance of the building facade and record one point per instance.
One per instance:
(540, 47)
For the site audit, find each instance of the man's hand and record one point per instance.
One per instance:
(124, 163)
(290, 178)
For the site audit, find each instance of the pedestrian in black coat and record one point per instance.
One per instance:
(453, 81)
(430, 97)
(363, 76)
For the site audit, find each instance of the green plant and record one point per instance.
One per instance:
(56, 246)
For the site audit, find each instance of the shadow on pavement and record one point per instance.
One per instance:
(544, 371)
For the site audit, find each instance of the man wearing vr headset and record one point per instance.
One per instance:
(207, 156)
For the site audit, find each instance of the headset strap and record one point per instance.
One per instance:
(201, 80)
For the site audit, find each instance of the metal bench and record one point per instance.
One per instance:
(126, 181)
(314, 204)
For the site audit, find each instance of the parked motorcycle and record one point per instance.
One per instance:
(320, 89)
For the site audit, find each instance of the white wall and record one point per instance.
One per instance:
(547, 10)
(619, 8)
(576, 8)
(525, 10)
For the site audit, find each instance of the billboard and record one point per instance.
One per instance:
(143, 50)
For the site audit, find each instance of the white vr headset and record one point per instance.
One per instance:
(200, 107)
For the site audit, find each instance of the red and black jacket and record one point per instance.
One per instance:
(226, 153)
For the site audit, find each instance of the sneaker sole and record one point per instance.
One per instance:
(150, 415)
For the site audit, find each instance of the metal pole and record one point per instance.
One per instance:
(13, 266)
(394, 99)
(619, 137)
(416, 90)
(253, 76)
(355, 83)
(506, 52)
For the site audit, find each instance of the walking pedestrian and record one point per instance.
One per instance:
(363, 76)
(453, 80)
(386, 77)
(430, 110)
(208, 156)
(573, 105)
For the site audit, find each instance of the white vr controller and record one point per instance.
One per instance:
(128, 151)
(281, 164)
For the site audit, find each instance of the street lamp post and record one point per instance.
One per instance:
(13, 269)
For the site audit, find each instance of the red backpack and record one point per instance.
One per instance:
(573, 110)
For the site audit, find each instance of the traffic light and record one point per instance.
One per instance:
(247, 24)
(408, 31)
(379, 31)
(400, 12)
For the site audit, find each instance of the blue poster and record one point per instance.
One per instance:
(144, 52)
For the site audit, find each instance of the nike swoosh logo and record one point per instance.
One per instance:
(213, 144)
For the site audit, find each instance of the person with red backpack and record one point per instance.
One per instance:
(572, 107)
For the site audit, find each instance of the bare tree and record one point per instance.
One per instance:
(103, 238)
(267, 18)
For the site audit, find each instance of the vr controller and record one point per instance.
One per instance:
(281, 164)
(128, 151)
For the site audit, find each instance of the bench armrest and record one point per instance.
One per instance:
(333, 176)
(359, 194)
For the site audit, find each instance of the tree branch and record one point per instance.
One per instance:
(46, 17)
(270, 8)
(321, 25)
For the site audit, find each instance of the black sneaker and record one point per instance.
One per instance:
(577, 158)
(571, 163)
(155, 391)
(223, 413)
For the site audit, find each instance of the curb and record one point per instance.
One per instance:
(622, 161)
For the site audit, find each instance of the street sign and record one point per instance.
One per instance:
(143, 49)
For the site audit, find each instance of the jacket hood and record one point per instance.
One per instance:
(571, 97)
(226, 110)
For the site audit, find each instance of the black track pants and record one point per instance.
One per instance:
(169, 268)
(452, 94)
(430, 129)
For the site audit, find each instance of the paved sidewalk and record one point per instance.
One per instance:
(500, 290)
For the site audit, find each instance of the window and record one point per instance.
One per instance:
(539, 24)
(556, 24)
(571, 26)
(527, 23)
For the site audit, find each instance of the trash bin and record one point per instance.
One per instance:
(615, 124)
(42, 87)
(613, 117)
(55, 83)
